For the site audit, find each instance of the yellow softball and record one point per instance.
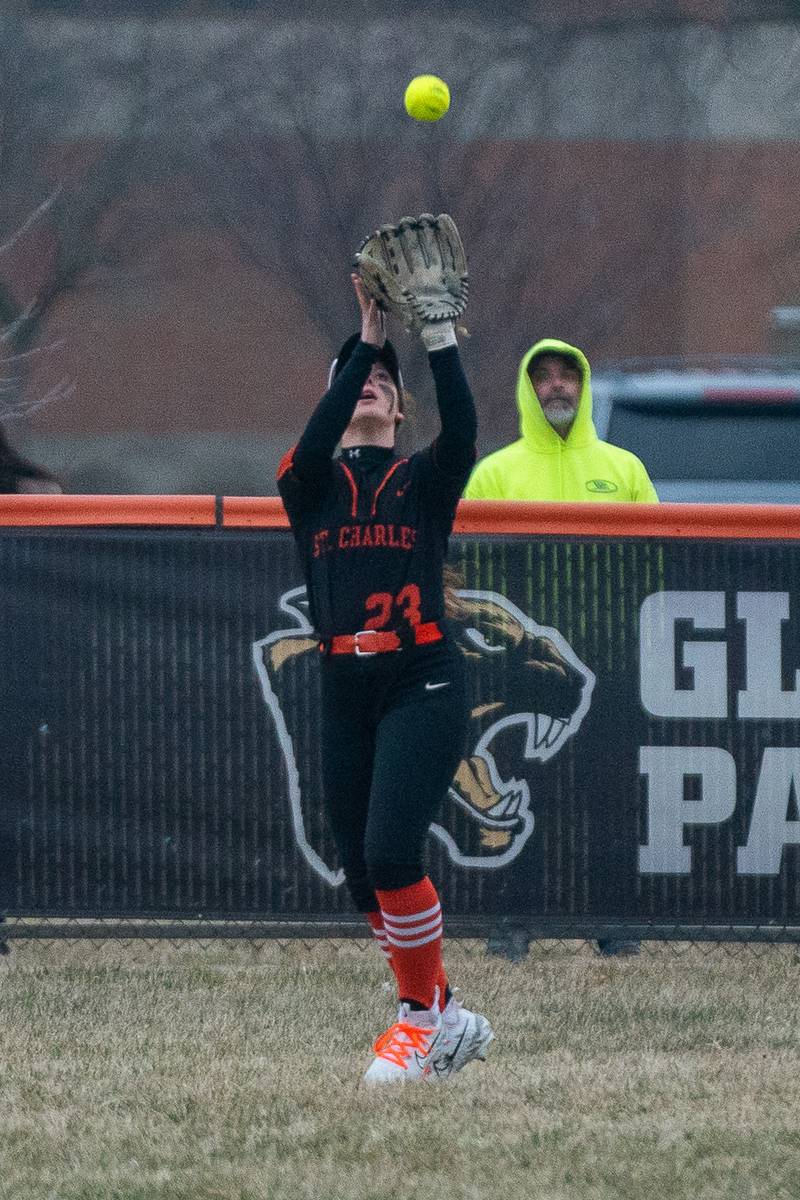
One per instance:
(427, 98)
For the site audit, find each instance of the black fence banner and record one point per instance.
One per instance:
(159, 717)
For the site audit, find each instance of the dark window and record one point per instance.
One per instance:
(701, 443)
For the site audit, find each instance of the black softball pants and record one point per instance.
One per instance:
(394, 729)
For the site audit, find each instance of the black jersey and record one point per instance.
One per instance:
(372, 527)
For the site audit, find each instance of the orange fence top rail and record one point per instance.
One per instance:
(777, 521)
(630, 520)
(107, 510)
(254, 512)
(694, 521)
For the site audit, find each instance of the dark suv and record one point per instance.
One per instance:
(720, 431)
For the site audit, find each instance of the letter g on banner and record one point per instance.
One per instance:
(708, 696)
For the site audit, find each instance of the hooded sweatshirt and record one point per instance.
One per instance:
(541, 465)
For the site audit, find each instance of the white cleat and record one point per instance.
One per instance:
(466, 1036)
(404, 1052)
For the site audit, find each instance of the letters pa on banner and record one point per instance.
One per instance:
(686, 673)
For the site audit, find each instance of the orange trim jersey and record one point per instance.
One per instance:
(372, 527)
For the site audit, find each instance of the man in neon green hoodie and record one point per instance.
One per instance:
(559, 455)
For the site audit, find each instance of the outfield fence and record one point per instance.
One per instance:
(159, 691)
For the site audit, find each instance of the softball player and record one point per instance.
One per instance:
(372, 530)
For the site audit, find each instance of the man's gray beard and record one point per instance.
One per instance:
(560, 418)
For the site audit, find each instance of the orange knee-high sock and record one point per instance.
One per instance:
(444, 988)
(379, 933)
(412, 919)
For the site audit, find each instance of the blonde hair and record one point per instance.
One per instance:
(454, 606)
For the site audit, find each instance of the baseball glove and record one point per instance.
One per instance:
(416, 270)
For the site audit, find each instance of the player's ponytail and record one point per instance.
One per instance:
(454, 606)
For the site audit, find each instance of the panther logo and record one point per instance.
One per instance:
(529, 693)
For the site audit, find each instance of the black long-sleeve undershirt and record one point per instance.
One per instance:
(454, 448)
(332, 415)
(455, 444)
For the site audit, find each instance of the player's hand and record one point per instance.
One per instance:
(373, 323)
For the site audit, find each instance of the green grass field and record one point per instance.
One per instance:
(231, 1071)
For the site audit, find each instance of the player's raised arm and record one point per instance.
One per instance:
(332, 415)
(454, 448)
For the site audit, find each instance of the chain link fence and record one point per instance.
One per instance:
(49, 939)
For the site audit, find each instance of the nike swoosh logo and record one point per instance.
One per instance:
(434, 687)
(402, 491)
(444, 1063)
(425, 1061)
